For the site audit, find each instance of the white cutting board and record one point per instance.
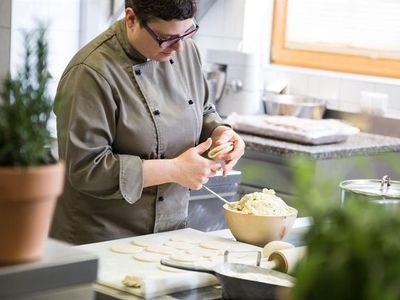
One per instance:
(113, 267)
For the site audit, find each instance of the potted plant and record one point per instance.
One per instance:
(30, 178)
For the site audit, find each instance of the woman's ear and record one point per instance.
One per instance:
(130, 17)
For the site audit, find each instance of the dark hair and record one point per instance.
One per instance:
(167, 10)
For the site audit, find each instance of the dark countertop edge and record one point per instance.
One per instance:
(285, 149)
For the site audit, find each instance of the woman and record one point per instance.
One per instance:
(133, 124)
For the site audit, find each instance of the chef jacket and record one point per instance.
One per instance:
(114, 109)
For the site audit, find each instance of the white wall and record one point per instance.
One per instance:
(62, 19)
(246, 24)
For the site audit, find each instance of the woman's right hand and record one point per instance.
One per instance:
(193, 170)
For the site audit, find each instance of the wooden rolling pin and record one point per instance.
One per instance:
(284, 260)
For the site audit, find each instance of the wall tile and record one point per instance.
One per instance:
(5, 14)
(393, 92)
(326, 88)
(208, 42)
(232, 44)
(5, 38)
(212, 23)
(350, 93)
(298, 83)
(233, 19)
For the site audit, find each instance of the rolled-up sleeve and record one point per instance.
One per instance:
(87, 112)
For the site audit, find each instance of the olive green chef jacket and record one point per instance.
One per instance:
(117, 109)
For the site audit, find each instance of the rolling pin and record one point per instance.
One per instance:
(284, 260)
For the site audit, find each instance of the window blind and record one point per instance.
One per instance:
(360, 27)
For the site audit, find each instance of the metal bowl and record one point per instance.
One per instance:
(385, 192)
(294, 105)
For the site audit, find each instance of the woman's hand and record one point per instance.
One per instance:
(222, 135)
(193, 170)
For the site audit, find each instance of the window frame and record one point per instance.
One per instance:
(322, 60)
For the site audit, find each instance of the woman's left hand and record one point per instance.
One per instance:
(222, 135)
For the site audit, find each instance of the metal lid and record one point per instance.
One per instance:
(373, 187)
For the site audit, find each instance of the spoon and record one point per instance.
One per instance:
(218, 196)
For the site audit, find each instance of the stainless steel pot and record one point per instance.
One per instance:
(294, 105)
(239, 288)
(376, 191)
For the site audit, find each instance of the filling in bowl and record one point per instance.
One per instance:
(264, 203)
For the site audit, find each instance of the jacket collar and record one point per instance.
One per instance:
(122, 36)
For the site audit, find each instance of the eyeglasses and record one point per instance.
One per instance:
(165, 43)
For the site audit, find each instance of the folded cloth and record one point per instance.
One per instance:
(305, 131)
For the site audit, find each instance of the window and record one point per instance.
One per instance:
(356, 36)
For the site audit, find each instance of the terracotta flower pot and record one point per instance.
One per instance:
(27, 201)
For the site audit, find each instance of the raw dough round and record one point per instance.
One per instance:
(161, 249)
(179, 245)
(215, 245)
(170, 269)
(126, 249)
(274, 246)
(185, 239)
(203, 252)
(147, 256)
(184, 257)
(221, 149)
(145, 242)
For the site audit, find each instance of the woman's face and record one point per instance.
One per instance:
(143, 38)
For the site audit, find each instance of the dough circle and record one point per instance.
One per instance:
(221, 149)
(185, 239)
(161, 249)
(183, 257)
(179, 245)
(145, 243)
(170, 269)
(215, 245)
(203, 252)
(147, 256)
(126, 249)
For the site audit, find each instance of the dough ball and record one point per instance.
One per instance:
(131, 281)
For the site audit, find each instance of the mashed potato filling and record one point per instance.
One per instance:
(264, 203)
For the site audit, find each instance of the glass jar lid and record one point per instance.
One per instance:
(384, 187)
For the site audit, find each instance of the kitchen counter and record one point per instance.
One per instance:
(359, 144)
(63, 273)
(210, 292)
(268, 163)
